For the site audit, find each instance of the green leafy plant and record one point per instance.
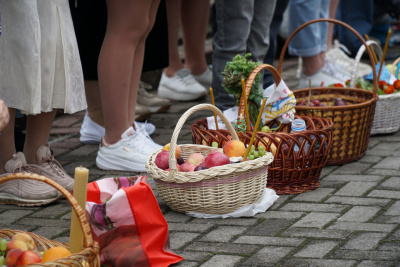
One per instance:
(241, 67)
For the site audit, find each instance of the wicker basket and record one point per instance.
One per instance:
(353, 122)
(291, 172)
(387, 111)
(90, 252)
(216, 190)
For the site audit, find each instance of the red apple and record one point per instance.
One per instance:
(28, 257)
(187, 167)
(16, 244)
(216, 159)
(162, 160)
(12, 257)
(195, 159)
(316, 102)
(24, 237)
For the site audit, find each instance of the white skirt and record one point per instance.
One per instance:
(40, 67)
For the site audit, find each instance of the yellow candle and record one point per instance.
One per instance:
(80, 192)
(384, 53)
(372, 49)
(213, 103)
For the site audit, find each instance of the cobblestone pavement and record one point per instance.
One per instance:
(353, 219)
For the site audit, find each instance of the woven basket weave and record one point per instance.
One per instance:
(291, 172)
(89, 254)
(353, 122)
(387, 111)
(216, 190)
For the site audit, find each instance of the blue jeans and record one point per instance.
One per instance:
(311, 40)
(242, 26)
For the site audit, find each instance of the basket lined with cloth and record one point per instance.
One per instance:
(353, 122)
(298, 157)
(89, 256)
(218, 190)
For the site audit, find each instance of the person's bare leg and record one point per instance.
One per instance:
(7, 142)
(138, 62)
(38, 129)
(332, 14)
(93, 99)
(173, 14)
(312, 64)
(194, 21)
(127, 22)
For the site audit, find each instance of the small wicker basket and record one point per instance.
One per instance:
(353, 122)
(387, 111)
(216, 190)
(89, 254)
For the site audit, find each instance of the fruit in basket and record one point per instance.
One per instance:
(216, 159)
(187, 167)
(16, 244)
(12, 257)
(178, 150)
(195, 159)
(266, 129)
(316, 102)
(389, 89)
(180, 160)
(221, 150)
(234, 148)
(214, 144)
(339, 102)
(202, 166)
(55, 253)
(28, 257)
(3, 246)
(396, 84)
(162, 160)
(27, 239)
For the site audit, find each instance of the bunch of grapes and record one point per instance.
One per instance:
(253, 154)
(3, 247)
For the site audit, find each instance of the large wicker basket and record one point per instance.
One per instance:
(387, 111)
(291, 172)
(89, 254)
(353, 122)
(216, 190)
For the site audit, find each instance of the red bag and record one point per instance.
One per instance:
(126, 221)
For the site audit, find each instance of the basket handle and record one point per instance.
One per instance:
(335, 21)
(357, 59)
(87, 236)
(249, 84)
(182, 120)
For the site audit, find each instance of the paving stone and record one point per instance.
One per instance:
(370, 159)
(186, 264)
(383, 172)
(230, 248)
(359, 201)
(327, 170)
(270, 241)
(228, 221)
(332, 184)
(386, 219)
(385, 194)
(223, 233)
(55, 211)
(388, 163)
(50, 232)
(317, 249)
(269, 227)
(313, 233)
(280, 215)
(282, 199)
(185, 227)
(222, 260)
(389, 146)
(364, 241)
(10, 217)
(177, 217)
(317, 262)
(394, 209)
(355, 189)
(377, 264)
(314, 207)
(314, 196)
(359, 214)
(391, 183)
(316, 220)
(390, 246)
(267, 255)
(394, 236)
(194, 255)
(365, 255)
(353, 178)
(81, 152)
(179, 239)
(356, 226)
(352, 168)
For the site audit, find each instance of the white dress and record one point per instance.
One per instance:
(40, 67)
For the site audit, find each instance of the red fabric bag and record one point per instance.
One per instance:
(126, 221)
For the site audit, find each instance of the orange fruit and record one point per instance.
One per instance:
(55, 253)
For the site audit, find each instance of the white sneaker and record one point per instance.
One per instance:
(338, 55)
(326, 75)
(128, 154)
(151, 101)
(182, 87)
(205, 78)
(91, 132)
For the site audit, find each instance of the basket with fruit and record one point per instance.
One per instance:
(387, 111)
(19, 248)
(352, 116)
(298, 157)
(221, 184)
